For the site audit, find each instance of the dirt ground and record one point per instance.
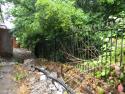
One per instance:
(7, 71)
(7, 84)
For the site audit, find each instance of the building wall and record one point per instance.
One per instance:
(5, 43)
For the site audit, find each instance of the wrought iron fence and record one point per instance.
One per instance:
(89, 50)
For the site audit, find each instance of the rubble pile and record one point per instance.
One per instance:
(43, 85)
(39, 83)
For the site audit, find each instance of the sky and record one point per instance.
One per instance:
(8, 18)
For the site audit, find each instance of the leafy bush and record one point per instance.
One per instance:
(53, 23)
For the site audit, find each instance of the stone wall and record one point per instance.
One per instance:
(5, 43)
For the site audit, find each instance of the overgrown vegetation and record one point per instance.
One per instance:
(92, 30)
(52, 24)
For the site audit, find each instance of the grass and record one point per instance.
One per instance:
(19, 73)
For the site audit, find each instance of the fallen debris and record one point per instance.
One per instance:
(46, 74)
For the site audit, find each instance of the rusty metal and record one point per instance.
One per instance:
(5, 43)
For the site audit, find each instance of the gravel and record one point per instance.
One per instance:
(44, 85)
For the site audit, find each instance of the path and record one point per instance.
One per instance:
(7, 85)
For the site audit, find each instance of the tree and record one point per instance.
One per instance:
(102, 9)
(52, 18)
(1, 15)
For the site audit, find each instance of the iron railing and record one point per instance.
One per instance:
(90, 50)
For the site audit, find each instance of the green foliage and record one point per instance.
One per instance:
(50, 17)
(47, 20)
(19, 76)
(107, 11)
(57, 16)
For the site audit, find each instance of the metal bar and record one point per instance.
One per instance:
(121, 57)
(111, 49)
(116, 43)
(106, 57)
